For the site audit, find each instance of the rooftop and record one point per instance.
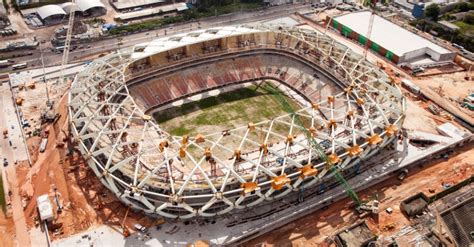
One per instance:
(152, 11)
(460, 222)
(387, 34)
(168, 43)
(127, 4)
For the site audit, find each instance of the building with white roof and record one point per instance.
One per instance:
(150, 12)
(45, 207)
(51, 13)
(392, 41)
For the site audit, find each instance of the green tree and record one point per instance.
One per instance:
(469, 19)
(462, 7)
(432, 11)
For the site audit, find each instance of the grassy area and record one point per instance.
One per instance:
(2, 195)
(230, 8)
(227, 110)
(466, 28)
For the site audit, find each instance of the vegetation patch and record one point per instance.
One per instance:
(197, 12)
(466, 28)
(225, 111)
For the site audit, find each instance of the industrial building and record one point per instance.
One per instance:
(53, 14)
(397, 44)
(127, 5)
(164, 10)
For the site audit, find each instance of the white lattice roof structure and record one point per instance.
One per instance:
(216, 173)
(168, 43)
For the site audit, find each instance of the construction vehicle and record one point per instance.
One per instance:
(19, 101)
(389, 226)
(49, 116)
(468, 102)
(318, 150)
(434, 109)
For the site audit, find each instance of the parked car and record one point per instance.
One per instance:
(5, 162)
(140, 228)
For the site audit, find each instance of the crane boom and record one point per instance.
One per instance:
(371, 4)
(369, 32)
(67, 44)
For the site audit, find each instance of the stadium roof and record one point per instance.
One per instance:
(85, 5)
(195, 191)
(50, 10)
(168, 43)
(387, 34)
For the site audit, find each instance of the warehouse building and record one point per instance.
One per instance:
(164, 11)
(392, 41)
(53, 14)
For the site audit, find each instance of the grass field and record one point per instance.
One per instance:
(466, 28)
(225, 111)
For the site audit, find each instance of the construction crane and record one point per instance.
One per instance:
(67, 44)
(314, 144)
(371, 5)
(125, 231)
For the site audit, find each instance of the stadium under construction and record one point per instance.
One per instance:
(350, 110)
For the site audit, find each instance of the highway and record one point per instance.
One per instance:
(109, 44)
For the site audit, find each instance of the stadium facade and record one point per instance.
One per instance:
(339, 126)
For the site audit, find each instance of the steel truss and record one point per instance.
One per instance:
(175, 176)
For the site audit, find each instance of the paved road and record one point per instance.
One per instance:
(51, 58)
(15, 151)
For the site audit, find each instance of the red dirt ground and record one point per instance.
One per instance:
(86, 203)
(313, 230)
